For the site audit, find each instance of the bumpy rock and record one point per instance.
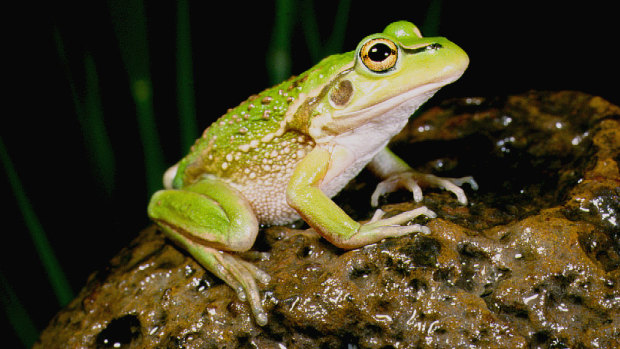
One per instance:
(532, 261)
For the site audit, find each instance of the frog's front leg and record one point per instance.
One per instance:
(397, 174)
(328, 219)
(206, 219)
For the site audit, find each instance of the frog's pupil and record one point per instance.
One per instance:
(379, 52)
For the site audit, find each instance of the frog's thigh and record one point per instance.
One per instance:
(209, 212)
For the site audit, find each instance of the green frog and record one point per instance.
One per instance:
(282, 154)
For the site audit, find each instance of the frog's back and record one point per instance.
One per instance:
(226, 143)
(251, 148)
(255, 148)
(257, 130)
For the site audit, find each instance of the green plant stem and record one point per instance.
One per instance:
(16, 314)
(52, 267)
(130, 28)
(430, 27)
(279, 54)
(185, 78)
(89, 112)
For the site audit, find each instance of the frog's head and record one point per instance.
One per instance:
(383, 81)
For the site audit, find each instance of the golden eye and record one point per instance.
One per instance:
(379, 55)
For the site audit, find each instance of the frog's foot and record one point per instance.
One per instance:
(412, 181)
(239, 274)
(379, 228)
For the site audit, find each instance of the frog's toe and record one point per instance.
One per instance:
(395, 182)
(246, 274)
(468, 179)
(380, 228)
(413, 180)
(256, 272)
(237, 273)
(453, 185)
(448, 185)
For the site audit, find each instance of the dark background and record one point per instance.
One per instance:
(513, 47)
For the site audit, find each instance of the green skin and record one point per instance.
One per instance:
(282, 154)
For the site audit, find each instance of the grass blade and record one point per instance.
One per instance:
(431, 20)
(128, 18)
(98, 143)
(311, 30)
(89, 111)
(52, 267)
(279, 54)
(185, 78)
(336, 39)
(16, 314)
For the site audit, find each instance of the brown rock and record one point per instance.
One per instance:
(533, 261)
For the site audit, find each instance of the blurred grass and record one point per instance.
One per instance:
(185, 78)
(311, 30)
(16, 314)
(129, 22)
(430, 27)
(279, 51)
(130, 27)
(19, 319)
(89, 112)
(54, 272)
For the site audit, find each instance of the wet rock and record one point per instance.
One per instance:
(533, 261)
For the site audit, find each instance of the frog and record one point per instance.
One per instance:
(284, 153)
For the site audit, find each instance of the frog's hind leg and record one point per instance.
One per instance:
(206, 219)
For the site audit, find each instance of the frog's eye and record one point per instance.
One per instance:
(379, 55)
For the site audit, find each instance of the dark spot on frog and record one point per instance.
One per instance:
(296, 81)
(120, 332)
(341, 94)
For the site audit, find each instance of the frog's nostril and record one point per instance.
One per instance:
(433, 47)
(419, 49)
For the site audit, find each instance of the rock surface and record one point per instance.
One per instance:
(533, 260)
